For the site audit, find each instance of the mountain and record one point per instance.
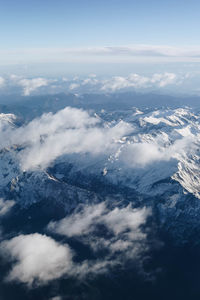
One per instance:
(154, 165)
(114, 186)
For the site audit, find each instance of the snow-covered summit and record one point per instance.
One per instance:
(147, 157)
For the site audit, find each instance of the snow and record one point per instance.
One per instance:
(173, 134)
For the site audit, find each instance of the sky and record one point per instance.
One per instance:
(98, 32)
(82, 23)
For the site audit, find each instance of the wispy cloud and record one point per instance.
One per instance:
(115, 231)
(2, 81)
(37, 259)
(5, 206)
(123, 224)
(131, 53)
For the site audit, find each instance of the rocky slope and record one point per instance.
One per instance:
(156, 165)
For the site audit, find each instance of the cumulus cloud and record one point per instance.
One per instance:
(75, 131)
(134, 80)
(164, 79)
(138, 81)
(5, 206)
(30, 85)
(68, 131)
(38, 258)
(92, 83)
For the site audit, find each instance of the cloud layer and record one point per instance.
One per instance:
(138, 81)
(92, 83)
(132, 53)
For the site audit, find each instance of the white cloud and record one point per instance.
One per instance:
(68, 131)
(138, 81)
(123, 224)
(133, 53)
(141, 154)
(2, 82)
(74, 86)
(30, 85)
(74, 131)
(80, 223)
(91, 83)
(164, 79)
(39, 258)
(5, 206)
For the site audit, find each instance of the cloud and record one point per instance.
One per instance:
(142, 154)
(68, 131)
(79, 223)
(30, 85)
(122, 234)
(75, 131)
(74, 86)
(2, 82)
(127, 54)
(5, 206)
(164, 79)
(38, 258)
(138, 81)
(91, 83)
(134, 81)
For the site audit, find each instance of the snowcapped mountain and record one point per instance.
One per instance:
(154, 163)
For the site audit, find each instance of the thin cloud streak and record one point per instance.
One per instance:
(100, 54)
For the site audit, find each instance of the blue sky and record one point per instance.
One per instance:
(78, 23)
(92, 32)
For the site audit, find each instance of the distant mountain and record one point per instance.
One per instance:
(29, 107)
